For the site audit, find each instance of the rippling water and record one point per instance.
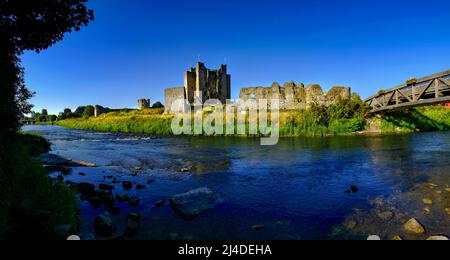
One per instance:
(296, 189)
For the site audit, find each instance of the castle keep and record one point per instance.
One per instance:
(201, 84)
(296, 96)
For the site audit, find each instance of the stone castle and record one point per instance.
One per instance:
(201, 84)
(143, 103)
(296, 96)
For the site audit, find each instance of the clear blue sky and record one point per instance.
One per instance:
(135, 48)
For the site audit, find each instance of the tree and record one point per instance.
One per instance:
(33, 26)
(88, 111)
(26, 26)
(44, 112)
(158, 105)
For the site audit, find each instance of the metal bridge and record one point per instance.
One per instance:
(27, 121)
(430, 90)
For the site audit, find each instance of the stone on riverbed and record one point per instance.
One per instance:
(134, 202)
(133, 224)
(106, 187)
(258, 227)
(160, 203)
(95, 202)
(86, 189)
(427, 202)
(193, 203)
(414, 226)
(122, 197)
(438, 238)
(386, 216)
(56, 160)
(127, 185)
(103, 226)
(140, 187)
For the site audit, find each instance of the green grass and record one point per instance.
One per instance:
(422, 119)
(344, 118)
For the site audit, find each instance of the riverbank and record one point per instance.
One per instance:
(32, 204)
(343, 119)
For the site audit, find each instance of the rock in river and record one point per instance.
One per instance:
(103, 226)
(49, 159)
(134, 202)
(414, 226)
(127, 185)
(193, 203)
(106, 187)
(140, 187)
(96, 202)
(122, 197)
(86, 189)
(438, 238)
(133, 224)
(160, 203)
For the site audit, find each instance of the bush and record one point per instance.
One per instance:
(158, 105)
(32, 205)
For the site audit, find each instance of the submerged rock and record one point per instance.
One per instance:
(127, 185)
(258, 227)
(160, 203)
(95, 202)
(106, 187)
(114, 210)
(353, 189)
(134, 202)
(414, 226)
(140, 187)
(133, 225)
(427, 202)
(103, 226)
(386, 216)
(86, 189)
(193, 203)
(122, 197)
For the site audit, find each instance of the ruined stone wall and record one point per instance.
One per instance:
(190, 84)
(295, 96)
(143, 103)
(171, 95)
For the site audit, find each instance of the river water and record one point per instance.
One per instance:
(296, 189)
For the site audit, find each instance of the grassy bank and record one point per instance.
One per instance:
(344, 118)
(32, 205)
(422, 119)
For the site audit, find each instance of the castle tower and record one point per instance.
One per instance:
(143, 104)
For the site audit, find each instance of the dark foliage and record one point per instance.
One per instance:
(27, 26)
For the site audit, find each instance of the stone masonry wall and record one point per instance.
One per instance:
(171, 95)
(295, 96)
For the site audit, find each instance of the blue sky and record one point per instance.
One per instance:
(135, 48)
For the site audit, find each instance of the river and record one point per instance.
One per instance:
(296, 189)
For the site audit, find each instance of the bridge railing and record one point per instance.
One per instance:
(430, 90)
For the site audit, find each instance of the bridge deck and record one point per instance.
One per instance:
(429, 90)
